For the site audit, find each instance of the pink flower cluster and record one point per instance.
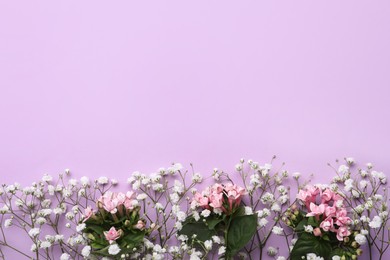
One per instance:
(112, 201)
(326, 206)
(219, 198)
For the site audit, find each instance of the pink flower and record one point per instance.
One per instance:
(341, 217)
(342, 232)
(327, 224)
(88, 212)
(112, 234)
(234, 194)
(119, 198)
(216, 200)
(330, 211)
(316, 210)
(201, 200)
(216, 188)
(317, 232)
(327, 195)
(108, 203)
(140, 225)
(130, 201)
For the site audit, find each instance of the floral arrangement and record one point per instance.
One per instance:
(170, 215)
(115, 228)
(221, 214)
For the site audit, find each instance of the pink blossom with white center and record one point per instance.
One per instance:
(327, 195)
(112, 234)
(216, 200)
(88, 212)
(327, 224)
(341, 218)
(201, 200)
(316, 210)
(330, 211)
(342, 232)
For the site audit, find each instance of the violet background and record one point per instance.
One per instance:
(107, 88)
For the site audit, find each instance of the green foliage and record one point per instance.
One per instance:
(308, 243)
(240, 232)
(238, 229)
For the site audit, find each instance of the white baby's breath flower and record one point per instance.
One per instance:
(276, 207)
(142, 196)
(181, 216)
(34, 248)
(262, 222)
(360, 239)
(34, 232)
(159, 206)
(4, 209)
(86, 251)
(308, 228)
(281, 258)
(197, 178)
(65, 256)
(221, 250)
(343, 169)
(248, 211)
(114, 249)
(205, 213)
(174, 197)
(73, 182)
(40, 221)
(376, 222)
(296, 175)
(80, 227)
(350, 160)
(84, 181)
(102, 180)
(272, 251)
(8, 223)
(277, 230)
(47, 178)
(45, 244)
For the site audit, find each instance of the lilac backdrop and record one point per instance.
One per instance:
(109, 88)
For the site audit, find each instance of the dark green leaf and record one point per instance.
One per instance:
(308, 243)
(199, 229)
(240, 232)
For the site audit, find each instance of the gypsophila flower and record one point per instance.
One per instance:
(360, 239)
(205, 213)
(114, 249)
(47, 178)
(102, 180)
(80, 227)
(45, 244)
(208, 244)
(86, 251)
(8, 223)
(376, 222)
(65, 256)
(296, 175)
(221, 250)
(272, 251)
(277, 230)
(34, 232)
(248, 211)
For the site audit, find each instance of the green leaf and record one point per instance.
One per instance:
(308, 243)
(240, 232)
(199, 229)
(313, 222)
(213, 221)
